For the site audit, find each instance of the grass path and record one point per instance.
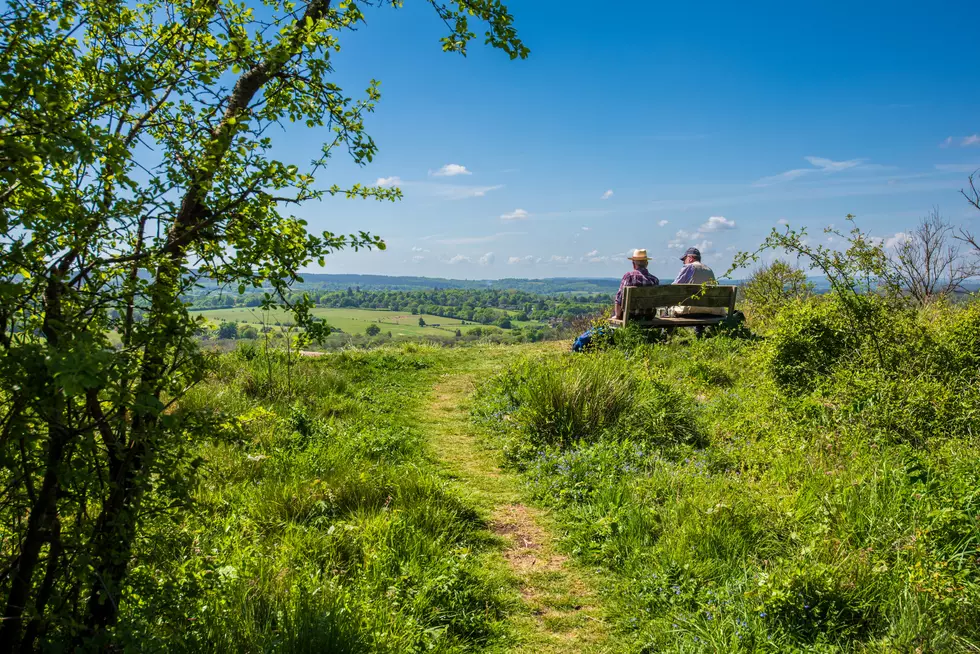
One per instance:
(561, 610)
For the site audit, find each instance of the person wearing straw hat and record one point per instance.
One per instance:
(639, 276)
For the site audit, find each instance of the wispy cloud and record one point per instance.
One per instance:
(516, 214)
(967, 168)
(451, 192)
(470, 240)
(593, 253)
(394, 180)
(459, 258)
(585, 229)
(487, 259)
(962, 141)
(557, 258)
(608, 194)
(440, 189)
(782, 221)
(417, 249)
(418, 258)
(529, 259)
(663, 223)
(717, 224)
(450, 170)
(819, 165)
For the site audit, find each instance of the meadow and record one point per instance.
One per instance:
(735, 493)
(355, 321)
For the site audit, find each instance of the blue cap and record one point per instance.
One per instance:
(692, 252)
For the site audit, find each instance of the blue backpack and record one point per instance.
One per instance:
(582, 342)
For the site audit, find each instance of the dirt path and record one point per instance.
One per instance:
(561, 610)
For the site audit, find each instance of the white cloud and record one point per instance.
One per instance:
(394, 180)
(608, 194)
(470, 240)
(516, 214)
(782, 221)
(555, 258)
(716, 224)
(459, 258)
(971, 140)
(829, 164)
(515, 260)
(450, 170)
(680, 240)
(663, 223)
(417, 249)
(947, 142)
(593, 253)
(820, 165)
(451, 192)
(585, 229)
(487, 259)
(704, 246)
(418, 258)
(893, 242)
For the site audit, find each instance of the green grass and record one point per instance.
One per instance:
(319, 522)
(355, 321)
(678, 497)
(799, 523)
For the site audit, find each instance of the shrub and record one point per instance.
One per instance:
(773, 286)
(228, 330)
(558, 402)
(807, 342)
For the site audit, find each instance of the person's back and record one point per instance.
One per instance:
(695, 272)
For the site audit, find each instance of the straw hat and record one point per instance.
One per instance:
(639, 255)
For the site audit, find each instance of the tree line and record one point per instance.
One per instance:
(487, 307)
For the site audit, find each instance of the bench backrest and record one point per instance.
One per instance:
(642, 302)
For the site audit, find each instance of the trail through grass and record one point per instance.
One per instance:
(560, 609)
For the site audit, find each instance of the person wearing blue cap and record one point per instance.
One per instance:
(695, 272)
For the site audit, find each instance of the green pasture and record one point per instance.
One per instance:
(354, 321)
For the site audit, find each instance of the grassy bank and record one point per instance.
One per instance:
(315, 521)
(775, 495)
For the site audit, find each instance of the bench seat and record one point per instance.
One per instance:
(641, 304)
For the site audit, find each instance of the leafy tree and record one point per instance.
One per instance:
(137, 162)
(421, 322)
(249, 332)
(772, 285)
(373, 330)
(228, 330)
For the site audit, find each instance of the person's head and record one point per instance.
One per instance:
(692, 255)
(639, 259)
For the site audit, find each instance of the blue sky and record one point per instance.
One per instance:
(656, 125)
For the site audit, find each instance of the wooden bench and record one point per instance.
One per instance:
(640, 304)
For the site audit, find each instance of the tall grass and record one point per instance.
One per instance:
(556, 403)
(831, 502)
(317, 523)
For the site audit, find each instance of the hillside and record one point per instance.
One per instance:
(730, 494)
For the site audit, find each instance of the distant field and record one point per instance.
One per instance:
(354, 321)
